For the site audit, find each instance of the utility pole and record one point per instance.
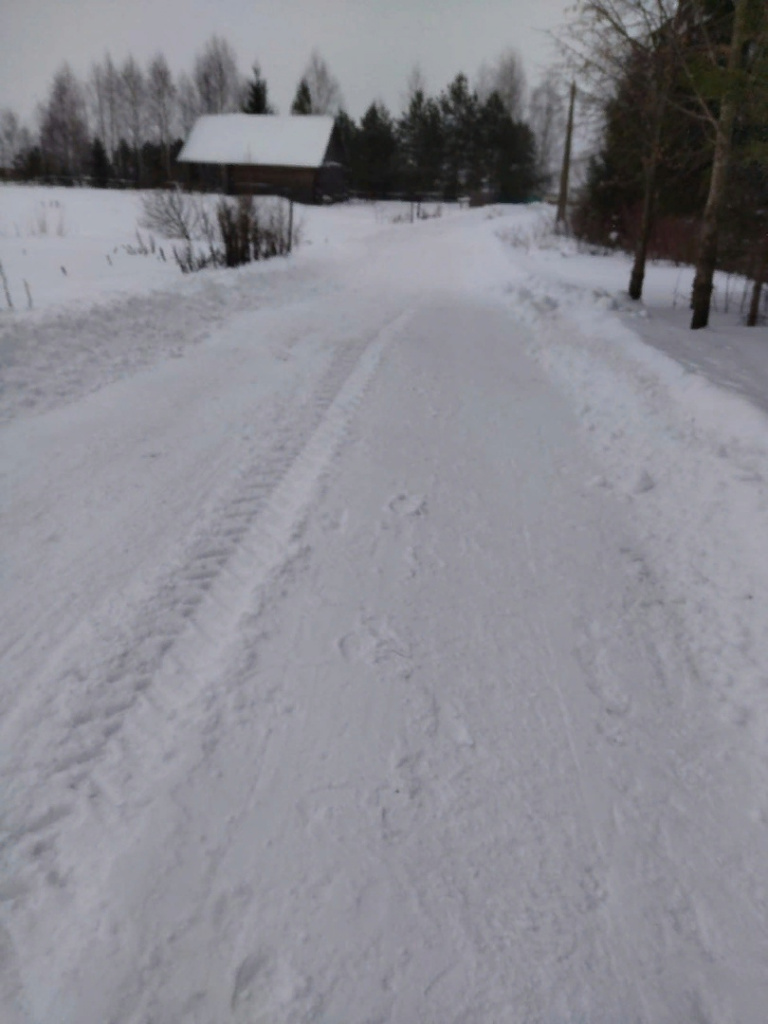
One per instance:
(562, 199)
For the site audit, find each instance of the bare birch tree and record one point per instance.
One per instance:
(188, 103)
(161, 105)
(134, 105)
(729, 86)
(97, 100)
(324, 88)
(505, 76)
(64, 124)
(10, 137)
(104, 94)
(546, 116)
(220, 86)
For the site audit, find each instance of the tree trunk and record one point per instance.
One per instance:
(706, 261)
(707, 256)
(562, 199)
(754, 306)
(646, 224)
(665, 70)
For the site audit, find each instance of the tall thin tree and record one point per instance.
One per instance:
(64, 126)
(220, 86)
(748, 18)
(161, 106)
(134, 103)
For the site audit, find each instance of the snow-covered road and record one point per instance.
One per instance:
(338, 687)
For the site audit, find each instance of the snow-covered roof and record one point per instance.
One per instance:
(263, 139)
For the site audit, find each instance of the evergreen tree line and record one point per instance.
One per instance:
(448, 145)
(126, 123)
(682, 167)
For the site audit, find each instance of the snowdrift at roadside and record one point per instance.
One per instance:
(688, 455)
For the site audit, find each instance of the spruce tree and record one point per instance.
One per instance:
(346, 132)
(459, 108)
(257, 100)
(101, 170)
(302, 101)
(375, 153)
(421, 145)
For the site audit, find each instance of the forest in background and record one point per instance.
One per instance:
(125, 124)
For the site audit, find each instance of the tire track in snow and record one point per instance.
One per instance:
(123, 707)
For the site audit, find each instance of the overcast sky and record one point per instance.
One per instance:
(370, 45)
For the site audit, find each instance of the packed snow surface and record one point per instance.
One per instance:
(384, 635)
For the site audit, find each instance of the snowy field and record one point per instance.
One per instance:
(384, 632)
(76, 247)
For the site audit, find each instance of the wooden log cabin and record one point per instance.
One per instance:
(260, 154)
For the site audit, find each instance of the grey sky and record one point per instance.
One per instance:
(370, 45)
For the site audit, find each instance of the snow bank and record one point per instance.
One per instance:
(685, 452)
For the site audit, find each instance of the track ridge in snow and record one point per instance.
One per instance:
(126, 699)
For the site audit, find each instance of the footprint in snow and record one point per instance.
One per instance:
(456, 726)
(374, 642)
(265, 990)
(409, 505)
(644, 483)
(593, 653)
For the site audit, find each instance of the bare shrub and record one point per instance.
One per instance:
(276, 238)
(240, 231)
(6, 289)
(172, 213)
(40, 226)
(249, 232)
(207, 227)
(423, 213)
(239, 227)
(190, 259)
